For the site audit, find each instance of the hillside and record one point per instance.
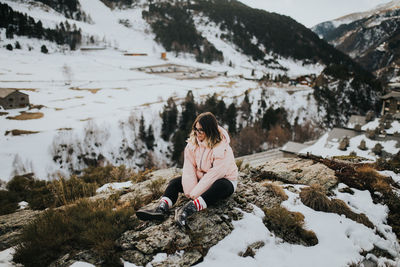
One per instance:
(87, 105)
(370, 38)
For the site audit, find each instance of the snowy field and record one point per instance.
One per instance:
(82, 89)
(103, 90)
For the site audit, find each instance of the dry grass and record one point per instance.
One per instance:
(276, 190)
(315, 198)
(17, 132)
(340, 207)
(372, 180)
(85, 226)
(92, 90)
(227, 84)
(156, 188)
(27, 116)
(64, 129)
(289, 226)
(3, 113)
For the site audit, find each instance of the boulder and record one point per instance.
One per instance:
(206, 228)
(11, 226)
(297, 171)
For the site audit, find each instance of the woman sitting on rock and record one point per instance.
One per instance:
(209, 172)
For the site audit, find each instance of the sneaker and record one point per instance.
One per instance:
(183, 213)
(159, 213)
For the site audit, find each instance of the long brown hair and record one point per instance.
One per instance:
(209, 124)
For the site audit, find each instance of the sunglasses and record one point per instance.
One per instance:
(198, 130)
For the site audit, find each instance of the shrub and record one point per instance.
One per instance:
(8, 202)
(276, 190)
(87, 225)
(338, 206)
(289, 226)
(315, 198)
(9, 47)
(67, 191)
(43, 49)
(278, 136)
(248, 141)
(35, 192)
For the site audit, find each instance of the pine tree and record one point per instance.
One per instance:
(230, 118)
(150, 138)
(169, 119)
(142, 129)
(179, 143)
(43, 49)
(245, 109)
(188, 113)
(220, 110)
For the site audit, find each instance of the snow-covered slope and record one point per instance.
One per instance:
(101, 90)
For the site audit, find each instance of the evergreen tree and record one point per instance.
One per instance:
(179, 143)
(150, 138)
(220, 110)
(188, 113)
(17, 45)
(43, 49)
(142, 129)
(169, 119)
(10, 32)
(245, 108)
(230, 118)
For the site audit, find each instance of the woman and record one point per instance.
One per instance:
(209, 172)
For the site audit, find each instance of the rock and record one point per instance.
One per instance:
(11, 226)
(297, 171)
(207, 228)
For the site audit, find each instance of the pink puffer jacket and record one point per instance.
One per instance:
(203, 166)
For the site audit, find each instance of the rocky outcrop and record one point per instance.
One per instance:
(146, 240)
(207, 228)
(11, 226)
(297, 171)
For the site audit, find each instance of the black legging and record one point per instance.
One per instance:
(220, 189)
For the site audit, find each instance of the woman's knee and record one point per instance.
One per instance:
(224, 185)
(176, 181)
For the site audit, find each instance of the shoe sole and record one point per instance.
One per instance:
(148, 216)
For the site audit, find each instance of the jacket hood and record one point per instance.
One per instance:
(224, 134)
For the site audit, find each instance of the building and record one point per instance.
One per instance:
(391, 103)
(10, 98)
(292, 149)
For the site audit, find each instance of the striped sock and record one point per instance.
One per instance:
(167, 200)
(200, 203)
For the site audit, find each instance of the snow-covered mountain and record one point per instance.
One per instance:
(93, 99)
(370, 38)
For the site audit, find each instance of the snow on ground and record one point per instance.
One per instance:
(113, 186)
(340, 240)
(102, 89)
(394, 126)
(79, 88)
(326, 148)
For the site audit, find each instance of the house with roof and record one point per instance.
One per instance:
(11, 98)
(391, 103)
